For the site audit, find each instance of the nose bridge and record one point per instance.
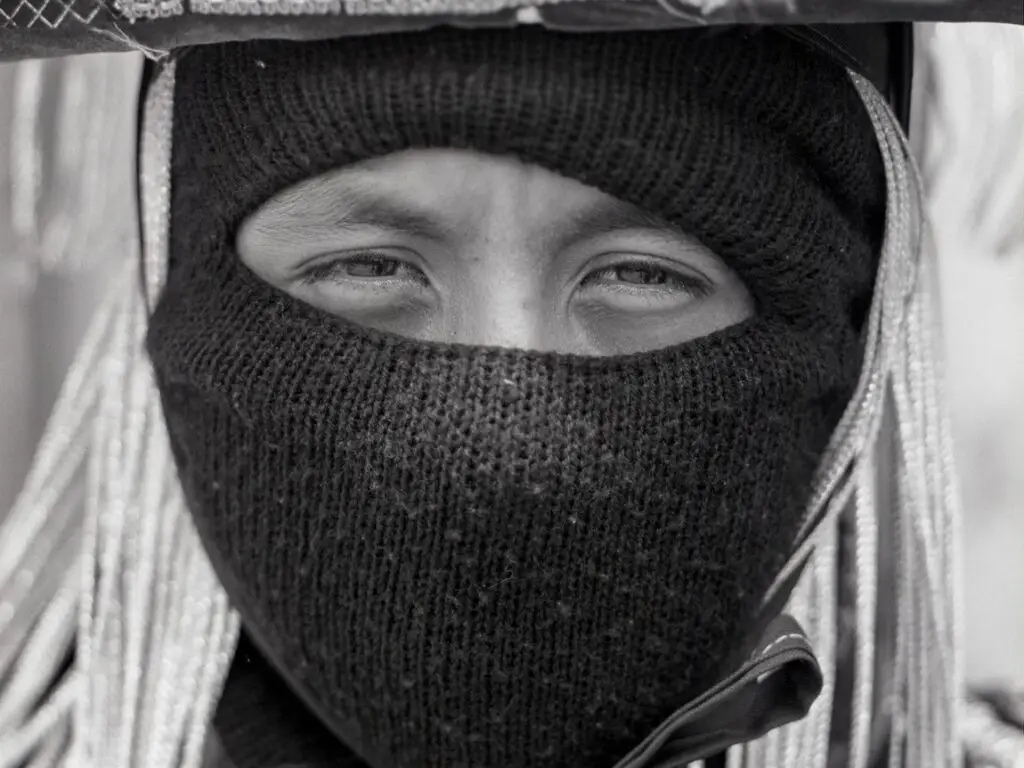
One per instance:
(505, 310)
(504, 295)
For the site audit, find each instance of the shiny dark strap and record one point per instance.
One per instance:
(774, 687)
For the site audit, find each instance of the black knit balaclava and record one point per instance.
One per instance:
(468, 557)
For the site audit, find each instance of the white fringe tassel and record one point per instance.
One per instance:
(900, 361)
(152, 629)
(156, 632)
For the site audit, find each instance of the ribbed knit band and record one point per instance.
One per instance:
(482, 557)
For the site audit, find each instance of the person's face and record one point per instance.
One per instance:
(458, 246)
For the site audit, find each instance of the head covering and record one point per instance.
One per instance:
(475, 557)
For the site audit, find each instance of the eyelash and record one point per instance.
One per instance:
(693, 285)
(329, 270)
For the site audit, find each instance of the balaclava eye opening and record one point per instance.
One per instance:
(488, 557)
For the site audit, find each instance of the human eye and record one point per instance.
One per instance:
(364, 269)
(650, 281)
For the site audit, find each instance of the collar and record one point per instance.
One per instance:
(262, 724)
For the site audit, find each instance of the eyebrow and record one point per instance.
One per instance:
(354, 211)
(606, 217)
(358, 210)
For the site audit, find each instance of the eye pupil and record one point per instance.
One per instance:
(641, 275)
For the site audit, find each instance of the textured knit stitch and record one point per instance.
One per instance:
(482, 557)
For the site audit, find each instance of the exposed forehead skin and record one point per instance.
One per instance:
(389, 192)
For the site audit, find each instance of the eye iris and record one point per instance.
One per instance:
(372, 268)
(641, 275)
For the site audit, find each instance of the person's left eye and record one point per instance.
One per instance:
(365, 266)
(646, 277)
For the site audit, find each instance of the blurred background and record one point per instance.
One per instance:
(67, 220)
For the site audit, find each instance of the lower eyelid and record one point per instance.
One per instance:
(654, 293)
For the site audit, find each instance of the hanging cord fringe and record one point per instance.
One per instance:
(900, 371)
(929, 683)
(157, 635)
(65, 146)
(39, 547)
(116, 571)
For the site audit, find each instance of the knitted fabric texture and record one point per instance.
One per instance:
(465, 556)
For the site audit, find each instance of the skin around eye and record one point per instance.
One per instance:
(631, 275)
(377, 280)
(375, 288)
(641, 275)
(635, 284)
(462, 247)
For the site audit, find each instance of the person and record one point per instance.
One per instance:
(504, 373)
(497, 366)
